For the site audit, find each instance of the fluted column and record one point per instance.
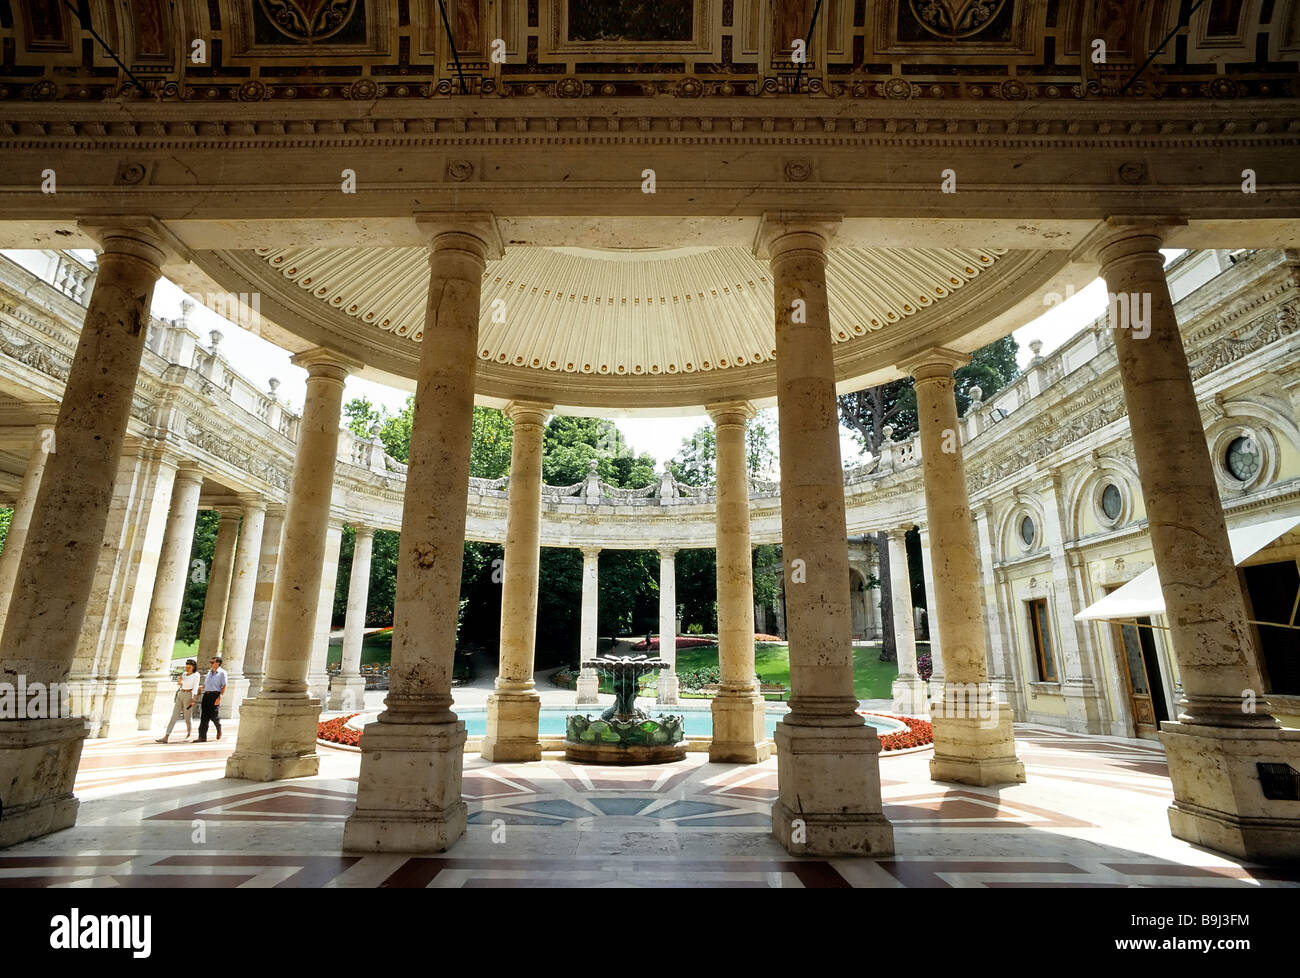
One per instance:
(667, 684)
(827, 758)
(213, 627)
(318, 677)
(514, 705)
(239, 606)
(348, 690)
(909, 690)
(263, 594)
(39, 757)
(409, 793)
(973, 738)
(739, 724)
(277, 727)
(156, 686)
(16, 537)
(588, 681)
(1225, 728)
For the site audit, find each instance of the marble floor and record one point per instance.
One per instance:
(1092, 814)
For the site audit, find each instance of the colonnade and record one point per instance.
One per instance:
(270, 575)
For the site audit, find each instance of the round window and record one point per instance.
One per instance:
(1027, 531)
(1112, 503)
(1242, 458)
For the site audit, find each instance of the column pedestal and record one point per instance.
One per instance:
(38, 756)
(669, 688)
(512, 719)
(277, 739)
(410, 797)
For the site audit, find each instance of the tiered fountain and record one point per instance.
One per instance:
(624, 734)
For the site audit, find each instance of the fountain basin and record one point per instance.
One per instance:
(639, 740)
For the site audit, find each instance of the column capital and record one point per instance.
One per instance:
(137, 235)
(590, 553)
(322, 362)
(898, 532)
(935, 364)
(527, 412)
(251, 501)
(475, 230)
(1125, 234)
(730, 412)
(228, 511)
(782, 231)
(362, 530)
(189, 472)
(667, 553)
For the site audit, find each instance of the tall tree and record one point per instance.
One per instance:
(867, 412)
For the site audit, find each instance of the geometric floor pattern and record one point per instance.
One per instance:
(1091, 814)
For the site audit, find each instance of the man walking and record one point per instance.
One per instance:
(214, 684)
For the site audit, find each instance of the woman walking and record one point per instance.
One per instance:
(183, 702)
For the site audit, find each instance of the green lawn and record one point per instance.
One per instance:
(872, 678)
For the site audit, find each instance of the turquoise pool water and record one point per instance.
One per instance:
(698, 723)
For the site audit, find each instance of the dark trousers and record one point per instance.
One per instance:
(209, 711)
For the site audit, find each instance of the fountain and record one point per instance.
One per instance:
(624, 734)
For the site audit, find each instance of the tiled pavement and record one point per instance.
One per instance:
(1092, 813)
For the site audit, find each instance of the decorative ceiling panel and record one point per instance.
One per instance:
(630, 312)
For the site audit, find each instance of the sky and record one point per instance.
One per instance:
(661, 438)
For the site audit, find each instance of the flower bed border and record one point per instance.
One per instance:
(919, 732)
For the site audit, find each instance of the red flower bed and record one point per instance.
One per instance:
(336, 731)
(918, 734)
(759, 637)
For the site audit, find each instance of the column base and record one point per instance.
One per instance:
(277, 739)
(512, 719)
(38, 760)
(828, 776)
(348, 693)
(408, 795)
(254, 686)
(1219, 801)
(739, 729)
(154, 706)
(234, 696)
(318, 686)
(973, 739)
(119, 708)
(910, 696)
(588, 687)
(669, 688)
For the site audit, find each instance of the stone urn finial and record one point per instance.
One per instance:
(976, 394)
(216, 336)
(888, 432)
(591, 466)
(274, 384)
(375, 429)
(187, 306)
(1036, 347)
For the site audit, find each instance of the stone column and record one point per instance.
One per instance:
(409, 792)
(39, 757)
(348, 690)
(667, 685)
(318, 677)
(239, 607)
(909, 690)
(11, 556)
(218, 596)
(157, 687)
(513, 706)
(739, 723)
(1225, 728)
(931, 614)
(827, 758)
(588, 681)
(973, 738)
(277, 727)
(263, 594)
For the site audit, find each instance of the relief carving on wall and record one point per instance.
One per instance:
(236, 455)
(1050, 441)
(1259, 332)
